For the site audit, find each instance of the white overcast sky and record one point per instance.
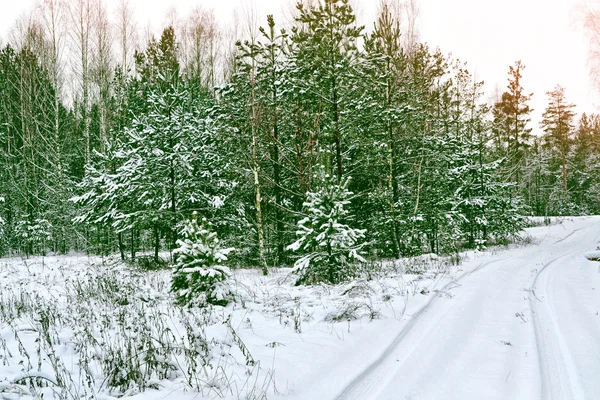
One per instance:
(489, 35)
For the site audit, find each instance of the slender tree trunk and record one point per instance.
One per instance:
(277, 190)
(172, 178)
(101, 70)
(338, 133)
(255, 169)
(132, 244)
(299, 151)
(392, 183)
(564, 169)
(276, 154)
(156, 242)
(82, 20)
(121, 245)
(259, 222)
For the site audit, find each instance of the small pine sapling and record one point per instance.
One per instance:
(199, 276)
(34, 235)
(330, 246)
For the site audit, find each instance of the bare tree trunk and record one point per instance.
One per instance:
(127, 36)
(54, 23)
(81, 15)
(255, 171)
(156, 242)
(121, 245)
(254, 124)
(101, 69)
(338, 133)
(276, 152)
(132, 244)
(564, 168)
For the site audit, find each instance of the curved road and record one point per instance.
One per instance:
(524, 327)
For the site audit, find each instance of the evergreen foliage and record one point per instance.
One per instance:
(511, 118)
(139, 148)
(558, 125)
(34, 235)
(330, 247)
(199, 274)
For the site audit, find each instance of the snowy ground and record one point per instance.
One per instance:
(516, 323)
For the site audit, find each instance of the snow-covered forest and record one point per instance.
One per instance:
(188, 164)
(106, 147)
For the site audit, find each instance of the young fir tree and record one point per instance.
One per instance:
(199, 276)
(34, 235)
(330, 247)
(104, 202)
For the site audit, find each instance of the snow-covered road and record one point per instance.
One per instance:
(520, 325)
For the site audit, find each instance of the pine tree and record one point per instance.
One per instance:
(557, 122)
(511, 117)
(539, 178)
(584, 166)
(199, 275)
(271, 72)
(324, 55)
(330, 247)
(479, 199)
(166, 166)
(384, 87)
(34, 235)
(104, 201)
(241, 117)
(158, 65)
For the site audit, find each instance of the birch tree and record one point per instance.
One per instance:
(82, 21)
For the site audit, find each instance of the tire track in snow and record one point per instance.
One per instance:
(365, 385)
(368, 384)
(560, 380)
(559, 375)
(569, 235)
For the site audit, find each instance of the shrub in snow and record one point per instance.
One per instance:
(34, 235)
(200, 277)
(330, 247)
(592, 255)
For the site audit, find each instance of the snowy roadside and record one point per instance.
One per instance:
(71, 327)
